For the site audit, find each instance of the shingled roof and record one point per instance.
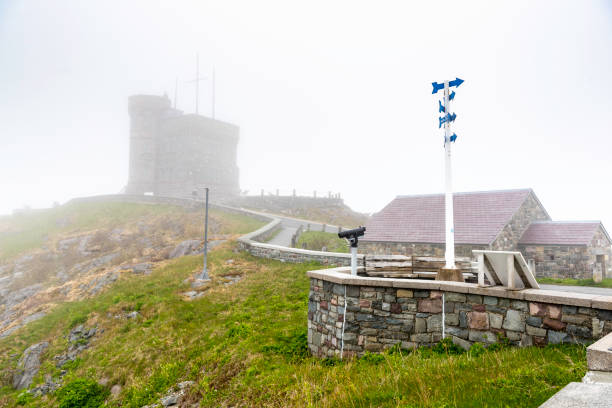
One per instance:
(479, 217)
(561, 233)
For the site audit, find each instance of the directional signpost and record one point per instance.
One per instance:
(450, 271)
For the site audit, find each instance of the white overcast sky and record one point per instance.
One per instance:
(329, 95)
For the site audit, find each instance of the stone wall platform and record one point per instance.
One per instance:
(349, 315)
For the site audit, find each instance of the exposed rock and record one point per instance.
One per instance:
(187, 247)
(192, 294)
(28, 365)
(232, 279)
(144, 268)
(171, 399)
(48, 386)
(198, 283)
(83, 245)
(65, 244)
(79, 338)
(115, 390)
(132, 315)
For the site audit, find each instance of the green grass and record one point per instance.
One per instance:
(605, 283)
(315, 240)
(244, 346)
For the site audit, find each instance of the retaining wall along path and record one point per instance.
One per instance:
(349, 315)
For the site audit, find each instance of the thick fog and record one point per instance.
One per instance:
(329, 95)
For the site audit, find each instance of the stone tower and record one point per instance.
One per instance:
(176, 155)
(146, 113)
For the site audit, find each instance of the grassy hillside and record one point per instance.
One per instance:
(315, 240)
(244, 344)
(21, 233)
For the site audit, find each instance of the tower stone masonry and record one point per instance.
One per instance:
(178, 155)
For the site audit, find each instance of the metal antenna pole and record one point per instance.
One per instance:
(197, 81)
(205, 270)
(450, 222)
(175, 91)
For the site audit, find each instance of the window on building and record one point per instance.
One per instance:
(551, 257)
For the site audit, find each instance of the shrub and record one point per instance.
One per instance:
(81, 393)
(477, 349)
(24, 398)
(446, 346)
(372, 358)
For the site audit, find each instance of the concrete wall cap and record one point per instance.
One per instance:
(599, 356)
(498, 291)
(602, 302)
(557, 297)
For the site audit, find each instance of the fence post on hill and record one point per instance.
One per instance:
(204, 274)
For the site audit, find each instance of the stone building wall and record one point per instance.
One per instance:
(560, 261)
(571, 261)
(196, 152)
(173, 155)
(601, 252)
(409, 249)
(531, 210)
(348, 316)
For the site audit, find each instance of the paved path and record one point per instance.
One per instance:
(578, 289)
(290, 225)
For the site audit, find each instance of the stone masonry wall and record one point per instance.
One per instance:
(600, 246)
(409, 249)
(560, 261)
(531, 210)
(352, 319)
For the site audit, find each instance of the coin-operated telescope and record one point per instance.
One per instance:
(352, 236)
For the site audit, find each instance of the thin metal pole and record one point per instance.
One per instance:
(213, 92)
(205, 270)
(197, 81)
(450, 222)
(175, 91)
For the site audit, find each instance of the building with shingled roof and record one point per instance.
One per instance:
(508, 220)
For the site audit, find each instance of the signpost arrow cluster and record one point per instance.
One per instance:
(446, 119)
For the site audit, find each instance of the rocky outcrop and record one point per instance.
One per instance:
(28, 365)
(187, 247)
(78, 339)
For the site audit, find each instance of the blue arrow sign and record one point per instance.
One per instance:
(441, 108)
(456, 82)
(453, 137)
(451, 96)
(447, 118)
(437, 87)
(442, 119)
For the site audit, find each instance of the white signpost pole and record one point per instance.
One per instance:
(450, 221)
